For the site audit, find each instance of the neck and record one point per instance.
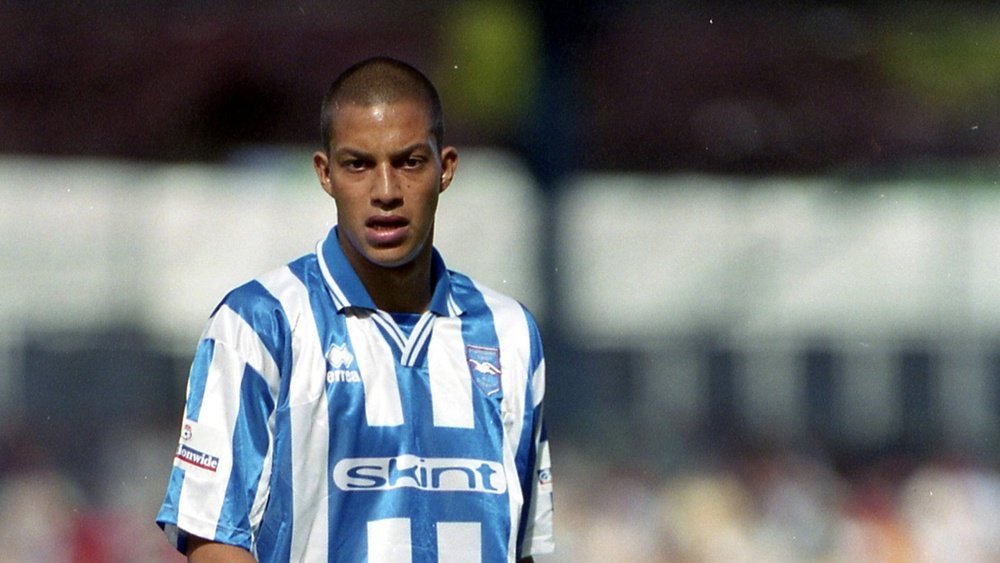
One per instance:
(403, 289)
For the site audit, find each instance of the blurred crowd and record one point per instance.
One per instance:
(780, 508)
(776, 507)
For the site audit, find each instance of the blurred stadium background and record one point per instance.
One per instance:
(762, 241)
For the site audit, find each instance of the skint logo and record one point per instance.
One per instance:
(426, 474)
(339, 356)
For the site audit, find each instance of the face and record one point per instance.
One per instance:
(385, 172)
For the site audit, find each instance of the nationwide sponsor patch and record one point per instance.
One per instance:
(199, 446)
(484, 365)
(196, 458)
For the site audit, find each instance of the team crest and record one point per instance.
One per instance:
(484, 364)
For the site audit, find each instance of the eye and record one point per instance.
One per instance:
(353, 164)
(413, 162)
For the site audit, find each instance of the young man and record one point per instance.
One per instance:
(364, 403)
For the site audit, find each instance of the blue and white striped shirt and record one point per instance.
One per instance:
(317, 429)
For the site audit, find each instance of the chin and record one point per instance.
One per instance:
(391, 259)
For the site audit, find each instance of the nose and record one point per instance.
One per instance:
(386, 192)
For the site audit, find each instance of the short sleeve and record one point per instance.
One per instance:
(218, 484)
(537, 534)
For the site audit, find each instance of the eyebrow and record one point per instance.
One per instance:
(356, 153)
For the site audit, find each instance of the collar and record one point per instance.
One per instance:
(348, 292)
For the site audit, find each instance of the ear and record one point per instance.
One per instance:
(321, 164)
(449, 163)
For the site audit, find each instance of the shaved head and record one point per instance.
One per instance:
(381, 80)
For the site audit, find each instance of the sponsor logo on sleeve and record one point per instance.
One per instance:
(193, 457)
(196, 444)
(484, 365)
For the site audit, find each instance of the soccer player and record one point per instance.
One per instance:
(365, 403)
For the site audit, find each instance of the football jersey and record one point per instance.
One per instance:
(317, 429)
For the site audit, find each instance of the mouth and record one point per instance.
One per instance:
(386, 229)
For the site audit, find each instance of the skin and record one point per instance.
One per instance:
(204, 551)
(385, 172)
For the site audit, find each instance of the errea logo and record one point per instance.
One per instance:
(339, 356)
(340, 360)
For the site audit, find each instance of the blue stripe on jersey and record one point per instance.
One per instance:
(442, 286)
(344, 276)
(479, 329)
(537, 353)
(199, 375)
(526, 454)
(418, 353)
(526, 461)
(349, 434)
(273, 538)
(168, 510)
(250, 444)
(264, 313)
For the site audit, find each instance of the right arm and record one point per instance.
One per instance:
(219, 483)
(200, 550)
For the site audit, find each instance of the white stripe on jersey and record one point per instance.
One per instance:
(386, 322)
(231, 328)
(339, 299)
(383, 406)
(459, 542)
(228, 327)
(451, 396)
(389, 541)
(538, 384)
(201, 489)
(308, 412)
(512, 330)
(538, 534)
(418, 337)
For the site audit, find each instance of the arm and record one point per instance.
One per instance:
(201, 550)
(224, 451)
(535, 532)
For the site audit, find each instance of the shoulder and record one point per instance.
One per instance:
(266, 290)
(261, 304)
(477, 298)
